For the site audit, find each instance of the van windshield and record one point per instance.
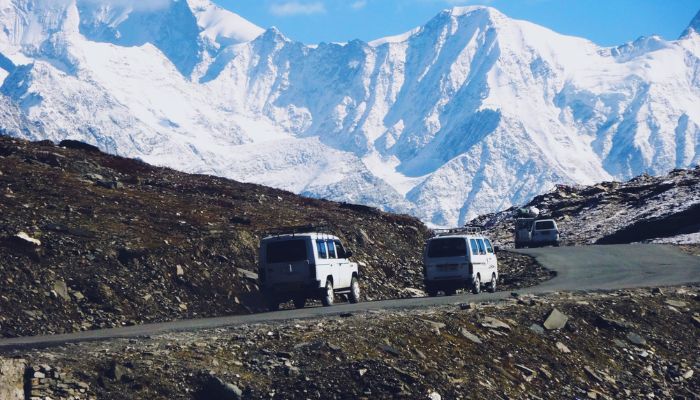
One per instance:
(286, 251)
(448, 247)
(544, 225)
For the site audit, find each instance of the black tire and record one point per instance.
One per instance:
(355, 293)
(431, 290)
(492, 286)
(300, 302)
(518, 246)
(450, 292)
(476, 285)
(328, 294)
(273, 305)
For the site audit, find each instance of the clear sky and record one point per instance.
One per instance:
(606, 22)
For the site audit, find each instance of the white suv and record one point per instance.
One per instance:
(298, 266)
(459, 258)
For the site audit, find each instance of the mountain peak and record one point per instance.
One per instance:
(464, 10)
(694, 25)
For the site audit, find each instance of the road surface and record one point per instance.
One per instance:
(578, 268)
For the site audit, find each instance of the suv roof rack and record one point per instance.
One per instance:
(293, 230)
(469, 230)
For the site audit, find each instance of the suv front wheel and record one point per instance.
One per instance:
(328, 295)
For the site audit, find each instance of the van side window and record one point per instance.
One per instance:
(475, 247)
(331, 249)
(322, 252)
(489, 248)
(340, 249)
(482, 248)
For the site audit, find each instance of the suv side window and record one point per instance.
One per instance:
(489, 248)
(331, 249)
(340, 249)
(475, 247)
(321, 246)
(482, 248)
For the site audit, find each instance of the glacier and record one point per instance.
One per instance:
(470, 113)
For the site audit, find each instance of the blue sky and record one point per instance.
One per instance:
(606, 22)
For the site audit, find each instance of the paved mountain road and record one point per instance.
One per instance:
(578, 268)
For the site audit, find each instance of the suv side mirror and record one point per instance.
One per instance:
(348, 254)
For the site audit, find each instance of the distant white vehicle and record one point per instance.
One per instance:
(459, 259)
(533, 232)
(299, 266)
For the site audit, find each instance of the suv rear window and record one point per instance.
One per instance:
(286, 251)
(448, 247)
(544, 225)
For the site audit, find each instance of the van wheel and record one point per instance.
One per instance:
(328, 294)
(476, 285)
(492, 286)
(354, 290)
(273, 305)
(299, 302)
(432, 290)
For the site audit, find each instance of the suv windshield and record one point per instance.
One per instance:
(544, 225)
(286, 251)
(448, 247)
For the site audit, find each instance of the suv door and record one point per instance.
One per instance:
(344, 264)
(340, 279)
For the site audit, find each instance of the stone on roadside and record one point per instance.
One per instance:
(61, 290)
(493, 323)
(637, 339)
(555, 320)
(537, 328)
(562, 347)
(470, 336)
(676, 303)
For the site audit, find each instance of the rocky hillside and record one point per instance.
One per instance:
(646, 208)
(89, 240)
(625, 344)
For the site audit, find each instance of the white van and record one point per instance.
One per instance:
(299, 266)
(459, 259)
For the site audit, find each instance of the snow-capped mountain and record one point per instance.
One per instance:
(470, 113)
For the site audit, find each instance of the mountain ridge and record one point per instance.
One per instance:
(467, 114)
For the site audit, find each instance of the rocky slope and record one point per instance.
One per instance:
(89, 240)
(646, 208)
(122, 242)
(625, 344)
(468, 114)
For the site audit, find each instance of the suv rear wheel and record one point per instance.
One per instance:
(354, 290)
(328, 295)
(299, 302)
(492, 286)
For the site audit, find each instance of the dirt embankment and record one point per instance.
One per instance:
(624, 344)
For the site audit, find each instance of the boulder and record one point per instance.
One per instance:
(555, 320)
(12, 378)
(213, 388)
